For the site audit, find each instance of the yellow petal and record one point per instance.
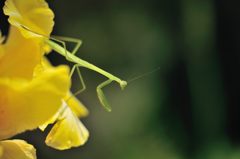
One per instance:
(25, 105)
(53, 119)
(17, 149)
(1, 151)
(19, 56)
(67, 132)
(49, 121)
(34, 15)
(76, 106)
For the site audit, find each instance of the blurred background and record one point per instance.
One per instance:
(188, 109)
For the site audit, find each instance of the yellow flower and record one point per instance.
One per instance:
(17, 53)
(18, 97)
(34, 18)
(68, 130)
(24, 98)
(34, 15)
(16, 149)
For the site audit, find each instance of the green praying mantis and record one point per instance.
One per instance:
(55, 41)
(78, 62)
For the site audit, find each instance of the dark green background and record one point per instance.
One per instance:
(189, 109)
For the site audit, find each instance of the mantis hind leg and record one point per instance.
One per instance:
(101, 96)
(62, 40)
(78, 42)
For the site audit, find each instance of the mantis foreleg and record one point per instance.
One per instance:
(101, 95)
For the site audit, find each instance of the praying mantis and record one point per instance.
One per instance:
(78, 62)
(53, 41)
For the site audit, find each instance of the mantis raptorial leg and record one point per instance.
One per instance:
(101, 95)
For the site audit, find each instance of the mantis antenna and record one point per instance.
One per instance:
(143, 75)
(78, 62)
